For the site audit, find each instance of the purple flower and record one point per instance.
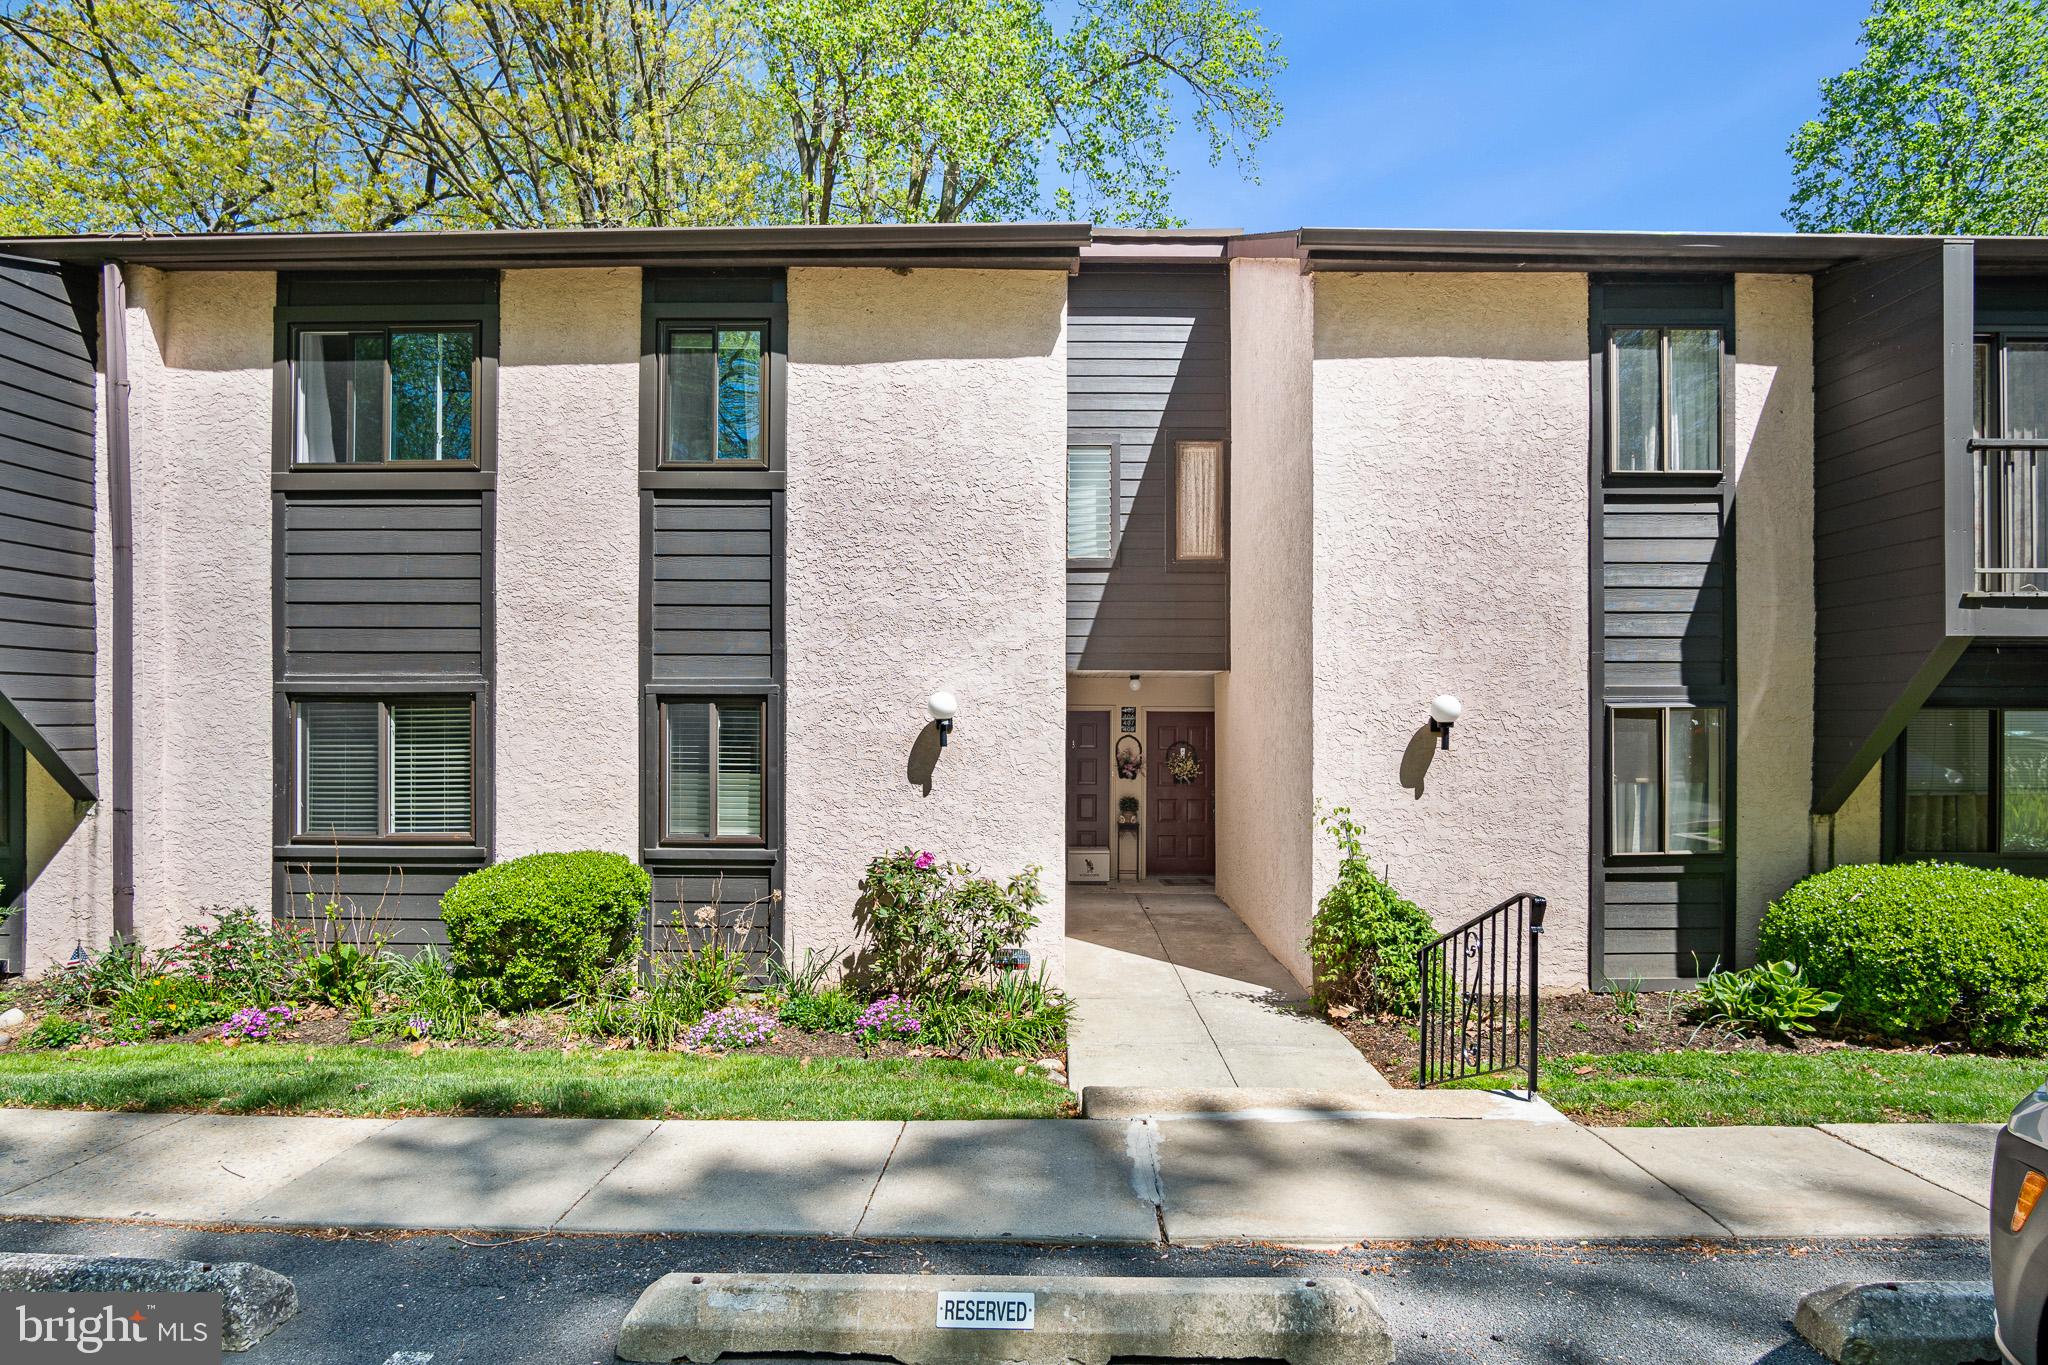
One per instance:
(925, 861)
(888, 1017)
(419, 1026)
(735, 1026)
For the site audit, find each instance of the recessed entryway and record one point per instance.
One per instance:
(1141, 776)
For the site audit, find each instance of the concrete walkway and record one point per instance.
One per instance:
(1171, 991)
(1303, 1177)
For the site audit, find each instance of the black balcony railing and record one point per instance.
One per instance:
(2011, 516)
(1479, 994)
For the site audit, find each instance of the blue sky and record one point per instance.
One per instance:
(1617, 114)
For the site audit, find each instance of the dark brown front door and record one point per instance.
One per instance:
(1181, 811)
(1087, 779)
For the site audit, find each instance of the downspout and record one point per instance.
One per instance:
(121, 648)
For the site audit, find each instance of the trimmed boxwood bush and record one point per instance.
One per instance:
(528, 931)
(1923, 949)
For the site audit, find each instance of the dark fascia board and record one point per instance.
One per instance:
(43, 752)
(1030, 246)
(1361, 249)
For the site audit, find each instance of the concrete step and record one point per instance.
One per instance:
(1131, 1102)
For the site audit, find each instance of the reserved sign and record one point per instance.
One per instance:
(988, 1312)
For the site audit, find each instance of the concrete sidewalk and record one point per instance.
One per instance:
(1172, 991)
(1304, 1177)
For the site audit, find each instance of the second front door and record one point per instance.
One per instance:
(1180, 751)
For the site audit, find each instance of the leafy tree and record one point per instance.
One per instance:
(231, 115)
(149, 113)
(224, 115)
(949, 110)
(1942, 128)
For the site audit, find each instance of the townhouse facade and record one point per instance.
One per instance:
(335, 566)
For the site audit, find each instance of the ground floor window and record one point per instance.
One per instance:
(713, 770)
(1666, 783)
(1976, 781)
(385, 768)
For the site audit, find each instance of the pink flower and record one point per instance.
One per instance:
(925, 861)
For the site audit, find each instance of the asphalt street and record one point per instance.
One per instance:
(435, 1299)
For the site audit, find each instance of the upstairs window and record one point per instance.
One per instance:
(711, 395)
(1665, 413)
(372, 396)
(371, 769)
(1198, 502)
(715, 758)
(1091, 505)
(1666, 790)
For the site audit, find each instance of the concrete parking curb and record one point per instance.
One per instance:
(254, 1301)
(1033, 1320)
(1929, 1322)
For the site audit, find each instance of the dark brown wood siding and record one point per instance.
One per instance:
(1891, 381)
(47, 401)
(1148, 362)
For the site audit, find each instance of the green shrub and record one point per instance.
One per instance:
(937, 927)
(528, 931)
(1017, 1016)
(1772, 996)
(1922, 949)
(53, 1031)
(830, 1010)
(158, 1006)
(1365, 935)
(423, 989)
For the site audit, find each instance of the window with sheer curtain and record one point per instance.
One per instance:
(371, 768)
(712, 384)
(1666, 406)
(384, 395)
(1976, 781)
(713, 770)
(1198, 501)
(1666, 786)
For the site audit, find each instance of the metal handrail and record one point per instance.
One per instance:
(1476, 980)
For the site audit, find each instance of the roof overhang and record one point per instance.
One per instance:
(1368, 249)
(1003, 246)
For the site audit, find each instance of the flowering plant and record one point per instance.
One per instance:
(888, 1017)
(731, 1028)
(254, 1025)
(419, 1026)
(938, 926)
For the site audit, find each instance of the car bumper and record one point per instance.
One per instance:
(2019, 1261)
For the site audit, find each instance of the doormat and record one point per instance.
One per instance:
(1187, 881)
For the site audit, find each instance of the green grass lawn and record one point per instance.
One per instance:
(289, 1079)
(1849, 1085)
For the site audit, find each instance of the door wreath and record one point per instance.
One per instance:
(1182, 765)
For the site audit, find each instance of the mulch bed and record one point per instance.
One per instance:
(540, 1031)
(1585, 1023)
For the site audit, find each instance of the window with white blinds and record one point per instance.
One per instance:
(713, 783)
(338, 767)
(1198, 501)
(1091, 502)
(374, 769)
(430, 767)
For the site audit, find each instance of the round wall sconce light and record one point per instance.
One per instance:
(1134, 682)
(943, 706)
(1443, 714)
